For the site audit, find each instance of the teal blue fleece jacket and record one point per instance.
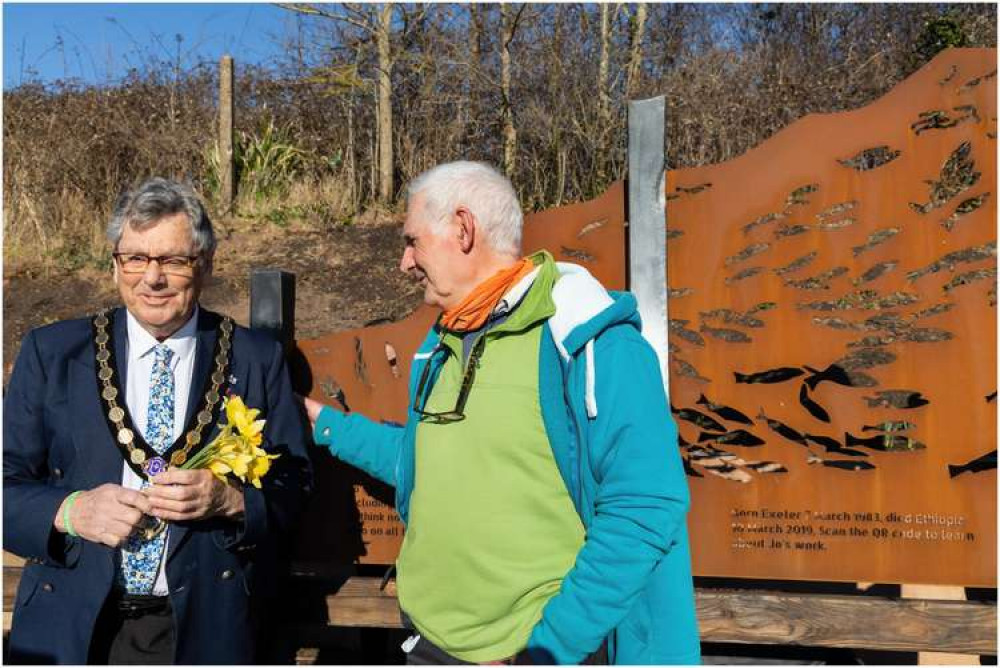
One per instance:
(615, 443)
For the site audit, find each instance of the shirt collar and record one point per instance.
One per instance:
(141, 342)
(514, 296)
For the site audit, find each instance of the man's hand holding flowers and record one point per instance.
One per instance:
(204, 486)
(180, 495)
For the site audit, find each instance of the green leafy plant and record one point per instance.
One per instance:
(267, 161)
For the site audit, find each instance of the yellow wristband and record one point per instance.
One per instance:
(67, 523)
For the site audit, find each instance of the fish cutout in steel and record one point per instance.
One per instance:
(746, 273)
(577, 254)
(849, 452)
(778, 375)
(837, 224)
(590, 227)
(969, 277)
(360, 367)
(847, 465)
(679, 327)
(876, 271)
(833, 373)
(836, 210)
(762, 306)
(870, 158)
(731, 460)
(957, 174)
(798, 196)
(829, 444)
(762, 220)
(876, 238)
(700, 452)
(866, 358)
(978, 465)
(725, 412)
(797, 263)
(950, 260)
(732, 317)
(783, 429)
(894, 425)
(739, 437)
(897, 399)
(814, 408)
(725, 334)
(729, 472)
(963, 209)
(747, 253)
(333, 390)
(699, 419)
(689, 470)
(766, 467)
(784, 230)
(862, 379)
(818, 282)
(390, 356)
(686, 369)
(836, 323)
(884, 443)
(937, 119)
(863, 299)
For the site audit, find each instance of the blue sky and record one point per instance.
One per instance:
(99, 42)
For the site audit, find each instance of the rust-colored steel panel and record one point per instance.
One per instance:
(837, 287)
(351, 519)
(846, 271)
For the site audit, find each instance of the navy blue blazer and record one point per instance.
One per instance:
(56, 440)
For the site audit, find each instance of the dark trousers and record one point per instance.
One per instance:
(133, 630)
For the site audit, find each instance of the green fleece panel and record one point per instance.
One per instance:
(492, 528)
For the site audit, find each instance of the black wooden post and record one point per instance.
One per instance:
(272, 303)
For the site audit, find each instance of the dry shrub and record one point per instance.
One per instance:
(732, 74)
(71, 150)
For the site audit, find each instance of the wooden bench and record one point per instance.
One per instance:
(748, 616)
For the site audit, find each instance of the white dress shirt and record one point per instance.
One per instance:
(140, 368)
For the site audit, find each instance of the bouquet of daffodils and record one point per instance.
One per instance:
(237, 448)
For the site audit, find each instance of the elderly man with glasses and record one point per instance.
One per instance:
(537, 473)
(131, 558)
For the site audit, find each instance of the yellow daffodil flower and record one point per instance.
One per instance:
(236, 449)
(244, 419)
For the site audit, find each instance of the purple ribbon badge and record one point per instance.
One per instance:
(155, 466)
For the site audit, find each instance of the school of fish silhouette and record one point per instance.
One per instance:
(820, 309)
(896, 298)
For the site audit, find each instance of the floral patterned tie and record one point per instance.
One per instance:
(141, 558)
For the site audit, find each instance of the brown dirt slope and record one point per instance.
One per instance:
(346, 276)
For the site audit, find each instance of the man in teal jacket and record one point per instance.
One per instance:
(538, 473)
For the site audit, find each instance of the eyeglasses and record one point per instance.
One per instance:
(174, 265)
(458, 413)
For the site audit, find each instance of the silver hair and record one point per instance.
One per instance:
(487, 193)
(155, 199)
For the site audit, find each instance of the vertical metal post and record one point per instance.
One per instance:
(272, 303)
(647, 221)
(227, 169)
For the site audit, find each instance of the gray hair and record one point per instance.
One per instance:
(155, 199)
(487, 193)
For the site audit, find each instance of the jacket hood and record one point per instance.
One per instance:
(584, 309)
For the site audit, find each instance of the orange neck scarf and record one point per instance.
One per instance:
(473, 311)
